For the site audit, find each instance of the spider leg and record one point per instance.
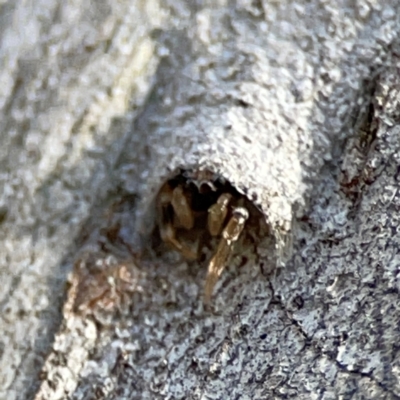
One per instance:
(166, 223)
(230, 235)
(217, 214)
(182, 209)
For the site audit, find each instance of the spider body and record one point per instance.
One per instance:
(194, 206)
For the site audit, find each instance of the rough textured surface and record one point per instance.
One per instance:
(296, 103)
(73, 76)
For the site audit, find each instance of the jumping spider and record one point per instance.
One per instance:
(195, 207)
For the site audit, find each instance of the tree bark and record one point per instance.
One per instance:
(295, 103)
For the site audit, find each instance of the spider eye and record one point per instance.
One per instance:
(206, 187)
(241, 213)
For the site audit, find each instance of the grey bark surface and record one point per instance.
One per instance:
(295, 103)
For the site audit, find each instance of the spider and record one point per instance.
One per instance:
(195, 205)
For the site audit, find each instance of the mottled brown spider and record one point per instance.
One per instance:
(194, 205)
